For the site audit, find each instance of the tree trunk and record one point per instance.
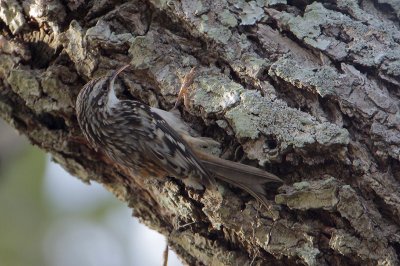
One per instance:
(309, 90)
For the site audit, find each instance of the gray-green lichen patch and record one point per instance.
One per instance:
(58, 97)
(83, 46)
(215, 93)
(358, 96)
(25, 84)
(101, 34)
(255, 65)
(293, 129)
(253, 117)
(251, 12)
(292, 240)
(274, 2)
(328, 133)
(308, 25)
(217, 23)
(195, 7)
(238, 46)
(42, 92)
(367, 41)
(143, 51)
(76, 47)
(227, 18)
(350, 245)
(341, 37)
(12, 15)
(315, 195)
(205, 16)
(49, 140)
(6, 64)
(319, 79)
(215, 31)
(165, 64)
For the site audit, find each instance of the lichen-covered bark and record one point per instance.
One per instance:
(306, 89)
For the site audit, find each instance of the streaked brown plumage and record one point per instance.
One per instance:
(151, 141)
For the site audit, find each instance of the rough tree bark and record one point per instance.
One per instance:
(306, 89)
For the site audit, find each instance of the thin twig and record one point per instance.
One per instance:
(165, 254)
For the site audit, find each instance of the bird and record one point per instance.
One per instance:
(156, 143)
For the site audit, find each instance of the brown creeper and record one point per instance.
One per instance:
(154, 142)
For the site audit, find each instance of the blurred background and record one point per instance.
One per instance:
(50, 218)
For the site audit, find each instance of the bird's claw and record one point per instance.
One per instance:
(183, 91)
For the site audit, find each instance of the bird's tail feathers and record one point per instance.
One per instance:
(251, 179)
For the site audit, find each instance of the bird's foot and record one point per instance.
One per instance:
(186, 83)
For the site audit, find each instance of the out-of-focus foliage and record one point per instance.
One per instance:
(22, 208)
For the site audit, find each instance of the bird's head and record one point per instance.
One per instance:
(95, 91)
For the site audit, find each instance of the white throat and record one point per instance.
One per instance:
(112, 99)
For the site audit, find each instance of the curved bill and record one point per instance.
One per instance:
(117, 72)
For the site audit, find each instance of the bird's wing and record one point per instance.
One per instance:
(168, 149)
